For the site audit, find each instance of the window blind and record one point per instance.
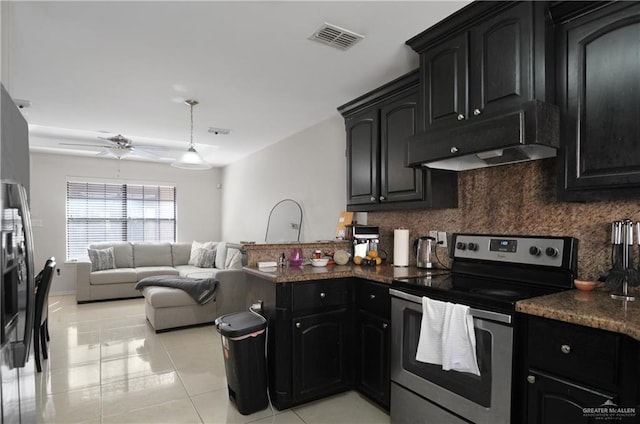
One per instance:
(98, 212)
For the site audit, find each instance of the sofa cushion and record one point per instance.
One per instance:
(122, 252)
(180, 253)
(166, 297)
(152, 271)
(152, 254)
(101, 259)
(114, 276)
(196, 272)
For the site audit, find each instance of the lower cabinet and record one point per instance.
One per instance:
(373, 331)
(552, 400)
(321, 354)
(578, 374)
(325, 337)
(372, 357)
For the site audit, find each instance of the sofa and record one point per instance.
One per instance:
(165, 307)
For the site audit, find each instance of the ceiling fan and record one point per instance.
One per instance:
(121, 147)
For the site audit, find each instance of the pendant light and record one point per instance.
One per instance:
(191, 159)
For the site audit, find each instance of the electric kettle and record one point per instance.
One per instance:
(423, 248)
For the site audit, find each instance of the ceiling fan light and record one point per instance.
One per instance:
(120, 153)
(191, 159)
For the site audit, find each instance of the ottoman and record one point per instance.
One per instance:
(167, 308)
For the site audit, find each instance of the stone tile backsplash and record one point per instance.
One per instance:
(516, 199)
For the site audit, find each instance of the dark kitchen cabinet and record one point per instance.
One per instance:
(310, 341)
(486, 88)
(373, 305)
(599, 98)
(556, 401)
(321, 350)
(377, 125)
(443, 71)
(481, 61)
(572, 367)
(322, 338)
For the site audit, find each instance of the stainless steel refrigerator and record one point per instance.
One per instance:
(17, 297)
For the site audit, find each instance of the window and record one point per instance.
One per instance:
(98, 212)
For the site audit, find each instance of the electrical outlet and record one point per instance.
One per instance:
(433, 234)
(442, 237)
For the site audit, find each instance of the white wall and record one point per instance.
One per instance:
(197, 192)
(308, 167)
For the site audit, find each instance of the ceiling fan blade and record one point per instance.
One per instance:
(144, 154)
(103, 153)
(148, 147)
(84, 145)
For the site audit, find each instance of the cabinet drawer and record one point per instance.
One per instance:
(320, 294)
(581, 353)
(374, 298)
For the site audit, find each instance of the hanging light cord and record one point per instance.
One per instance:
(191, 103)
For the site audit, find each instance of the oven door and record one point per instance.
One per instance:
(480, 399)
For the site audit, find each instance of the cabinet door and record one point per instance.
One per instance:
(373, 378)
(500, 64)
(599, 92)
(362, 158)
(321, 354)
(556, 401)
(397, 122)
(443, 77)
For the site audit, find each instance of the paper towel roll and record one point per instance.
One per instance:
(401, 247)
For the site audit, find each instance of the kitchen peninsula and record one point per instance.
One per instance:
(329, 329)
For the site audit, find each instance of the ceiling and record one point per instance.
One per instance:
(94, 68)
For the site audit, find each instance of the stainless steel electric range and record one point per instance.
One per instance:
(489, 273)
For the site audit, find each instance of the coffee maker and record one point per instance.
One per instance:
(365, 238)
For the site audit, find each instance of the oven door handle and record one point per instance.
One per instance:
(476, 313)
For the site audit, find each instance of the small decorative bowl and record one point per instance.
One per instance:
(585, 285)
(320, 262)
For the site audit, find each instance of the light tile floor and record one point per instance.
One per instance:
(107, 365)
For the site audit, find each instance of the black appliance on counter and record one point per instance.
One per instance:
(489, 273)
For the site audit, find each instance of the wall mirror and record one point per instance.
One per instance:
(285, 222)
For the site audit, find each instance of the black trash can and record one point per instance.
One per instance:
(243, 345)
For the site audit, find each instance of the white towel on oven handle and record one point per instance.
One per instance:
(430, 341)
(459, 340)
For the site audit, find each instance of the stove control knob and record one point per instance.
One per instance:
(461, 246)
(551, 251)
(473, 246)
(535, 250)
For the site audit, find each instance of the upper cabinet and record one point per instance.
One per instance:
(377, 126)
(598, 57)
(486, 84)
(487, 64)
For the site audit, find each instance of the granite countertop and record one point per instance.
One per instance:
(594, 309)
(381, 273)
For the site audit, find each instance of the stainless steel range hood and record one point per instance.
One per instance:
(528, 132)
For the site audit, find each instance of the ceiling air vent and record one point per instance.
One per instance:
(335, 36)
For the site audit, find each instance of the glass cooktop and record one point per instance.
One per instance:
(471, 290)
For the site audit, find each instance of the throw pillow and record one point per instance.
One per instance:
(194, 257)
(233, 260)
(101, 259)
(205, 258)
